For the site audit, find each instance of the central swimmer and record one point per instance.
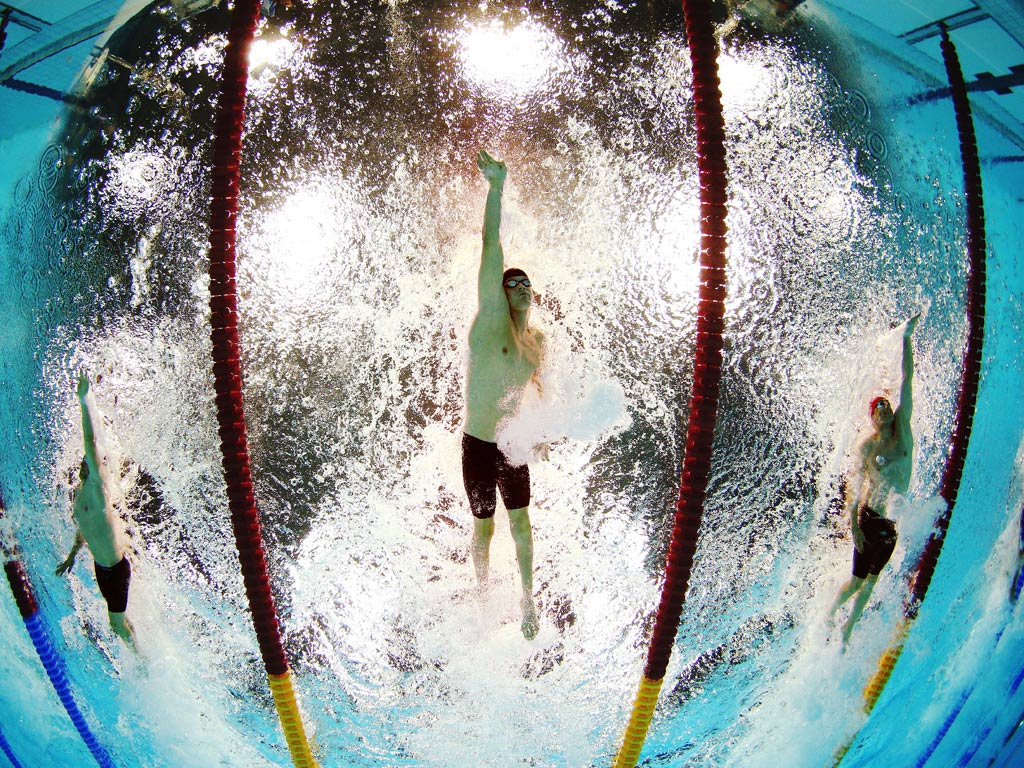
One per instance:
(97, 523)
(882, 467)
(505, 354)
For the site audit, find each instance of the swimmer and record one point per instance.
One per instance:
(505, 354)
(1018, 577)
(882, 465)
(97, 527)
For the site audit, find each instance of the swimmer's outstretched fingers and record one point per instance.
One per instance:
(494, 170)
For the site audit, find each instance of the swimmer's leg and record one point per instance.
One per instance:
(848, 591)
(1017, 584)
(123, 628)
(483, 530)
(522, 535)
(858, 605)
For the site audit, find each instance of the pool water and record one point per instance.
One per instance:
(358, 248)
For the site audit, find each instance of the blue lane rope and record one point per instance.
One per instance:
(54, 666)
(974, 747)
(51, 660)
(947, 724)
(5, 747)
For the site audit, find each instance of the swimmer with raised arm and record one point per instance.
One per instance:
(97, 525)
(505, 354)
(882, 465)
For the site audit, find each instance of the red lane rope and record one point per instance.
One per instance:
(971, 375)
(227, 369)
(18, 580)
(707, 367)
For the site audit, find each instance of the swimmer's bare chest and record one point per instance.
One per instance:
(96, 522)
(886, 467)
(499, 370)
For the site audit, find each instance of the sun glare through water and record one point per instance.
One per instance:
(512, 61)
(269, 53)
(300, 238)
(740, 80)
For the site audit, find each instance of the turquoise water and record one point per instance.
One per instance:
(358, 241)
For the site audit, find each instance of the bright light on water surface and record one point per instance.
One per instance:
(509, 61)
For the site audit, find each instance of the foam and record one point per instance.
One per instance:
(576, 400)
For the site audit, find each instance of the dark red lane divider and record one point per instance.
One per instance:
(970, 377)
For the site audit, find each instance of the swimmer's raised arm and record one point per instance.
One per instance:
(492, 260)
(88, 431)
(906, 408)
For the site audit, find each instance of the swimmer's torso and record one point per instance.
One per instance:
(96, 521)
(500, 367)
(887, 465)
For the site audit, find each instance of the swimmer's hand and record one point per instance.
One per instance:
(542, 452)
(911, 325)
(83, 384)
(493, 170)
(70, 561)
(66, 565)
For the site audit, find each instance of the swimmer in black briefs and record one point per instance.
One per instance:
(883, 461)
(505, 353)
(484, 469)
(879, 542)
(97, 524)
(113, 583)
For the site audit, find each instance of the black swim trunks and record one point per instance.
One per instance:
(879, 542)
(113, 584)
(484, 467)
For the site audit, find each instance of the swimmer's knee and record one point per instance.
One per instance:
(519, 520)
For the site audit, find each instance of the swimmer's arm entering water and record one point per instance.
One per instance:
(88, 431)
(69, 561)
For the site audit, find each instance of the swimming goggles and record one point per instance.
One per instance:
(512, 282)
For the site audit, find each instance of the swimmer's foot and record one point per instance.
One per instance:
(483, 576)
(847, 631)
(530, 624)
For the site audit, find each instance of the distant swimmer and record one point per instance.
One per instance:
(505, 354)
(97, 525)
(882, 465)
(1018, 578)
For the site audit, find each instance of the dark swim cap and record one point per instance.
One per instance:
(513, 272)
